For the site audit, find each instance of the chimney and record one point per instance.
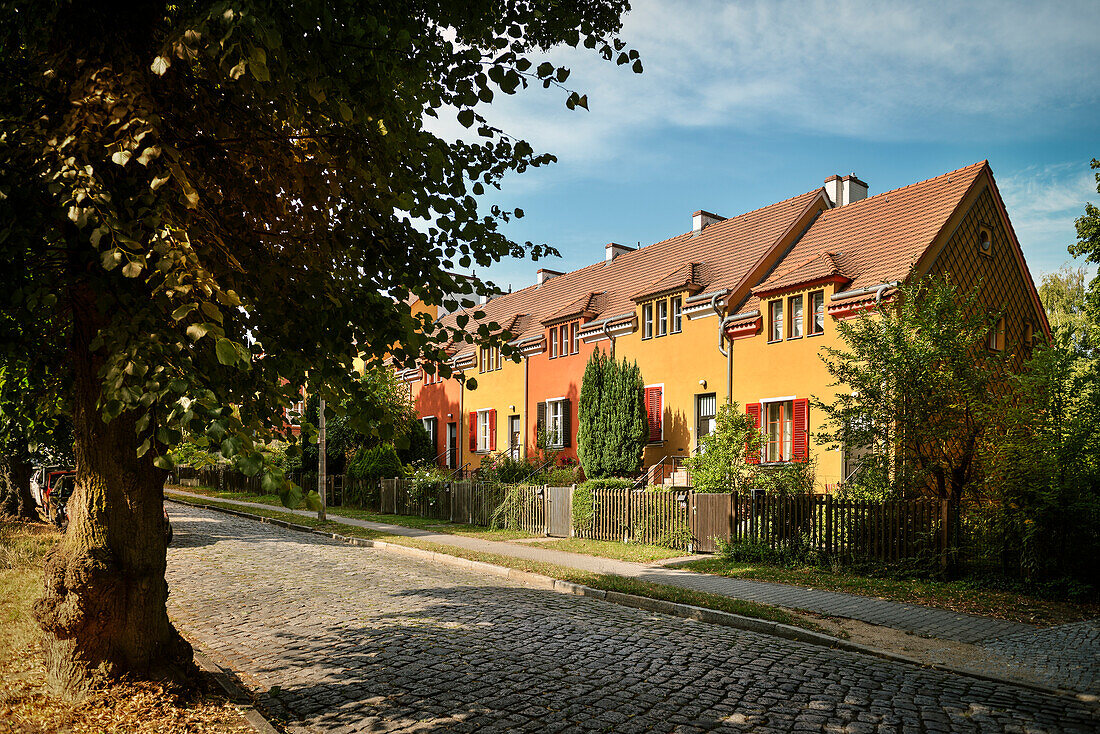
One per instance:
(854, 189)
(701, 219)
(546, 274)
(845, 190)
(613, 249)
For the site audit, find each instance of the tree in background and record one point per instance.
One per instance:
(915, 384)
(1063, 297)
(612, 430)
(1088, 244)
(193, 186)
(592, 417)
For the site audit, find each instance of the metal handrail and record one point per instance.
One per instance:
(648, 474)
(442, 453)
(457, 471)
(536, 472)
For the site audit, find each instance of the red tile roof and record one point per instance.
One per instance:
(729, 248)
(880, 238)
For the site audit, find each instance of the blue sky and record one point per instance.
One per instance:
(746, 103)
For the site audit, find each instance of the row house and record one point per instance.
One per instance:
(734, 309)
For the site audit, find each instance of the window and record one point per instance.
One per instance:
(574, 338)
(647, 321)
(985, 241)
(1029, 335)
(784, 426)
(817, 312)
(553, 343)
(294, 413)
(654, 404)
(490, 360)
(795, 330)
(555, 422)
(486, 430)
(775, 321)
(997, 336)
(706, 408)
(777, 432)
(677, 314)
(563, 339)
(429, 426)
(662, 317)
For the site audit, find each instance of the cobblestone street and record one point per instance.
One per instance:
(343, 639)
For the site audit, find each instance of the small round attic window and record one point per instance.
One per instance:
(985, 241)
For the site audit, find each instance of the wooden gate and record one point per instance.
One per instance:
(559, 511)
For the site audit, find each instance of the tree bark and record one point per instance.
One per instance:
(104, 610)
(16, 501)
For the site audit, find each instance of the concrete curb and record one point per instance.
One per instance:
(237, 694)
(659, 606)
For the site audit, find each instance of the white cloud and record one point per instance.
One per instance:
(894, 72)
(1043, 203)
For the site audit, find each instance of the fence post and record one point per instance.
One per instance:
(628, 532)
(828, 526)
(945, 534)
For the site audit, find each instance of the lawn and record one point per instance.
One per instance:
(586, 578)
(408, 521)
(130, 708)
(959, 596)
(635, 552)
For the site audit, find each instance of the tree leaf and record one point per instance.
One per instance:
(121, 157)
(227, 353)
(132, 269)
(160, 65)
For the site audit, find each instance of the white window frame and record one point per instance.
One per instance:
(484, 432)
(574, 338)
(555, 437)
(430, 423)
(813, 330)
(677, 314)
(553, 342)
(786, 442)
(662, 318)
(647, 321)
(796, 322)
(775, 320)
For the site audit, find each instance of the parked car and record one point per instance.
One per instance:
(60, 486)
(40, 481)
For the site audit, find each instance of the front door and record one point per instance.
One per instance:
(452, 445)
(705, 412)
(514, 436)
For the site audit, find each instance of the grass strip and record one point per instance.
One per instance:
(603, 582)
(965, 596)
(633, 552)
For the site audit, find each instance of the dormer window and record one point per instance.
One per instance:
(647, 321)
(677, 314)
(662, 317)
(775, 321)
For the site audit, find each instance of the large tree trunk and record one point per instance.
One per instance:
(103, 612)
(16, 501)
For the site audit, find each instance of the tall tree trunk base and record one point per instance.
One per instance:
(103, 624)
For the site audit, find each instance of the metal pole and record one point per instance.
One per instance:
(322, 464)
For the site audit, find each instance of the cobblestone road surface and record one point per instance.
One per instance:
(344, 639)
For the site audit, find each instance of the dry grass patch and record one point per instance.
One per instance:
(123, 708)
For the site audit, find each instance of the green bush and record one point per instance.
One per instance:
(584, 507)
(420, 449)
(380, 462)
(608, 483)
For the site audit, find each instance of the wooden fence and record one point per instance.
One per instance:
(655, 517)
(843, 529)
(471, 503)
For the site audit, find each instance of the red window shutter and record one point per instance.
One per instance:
(800, 448)
(473, 430)
(653, 412)
(753, 411)
(492, 430)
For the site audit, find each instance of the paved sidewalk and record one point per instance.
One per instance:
(919, 620)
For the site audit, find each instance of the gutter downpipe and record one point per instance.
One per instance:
(607, 333)
(461, 420)
(727, 353)
(526, 369)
